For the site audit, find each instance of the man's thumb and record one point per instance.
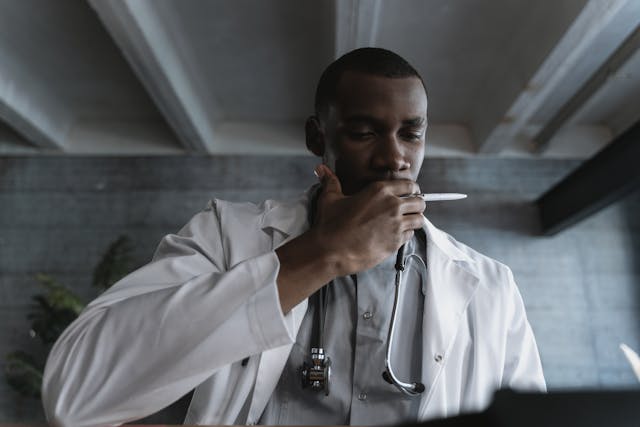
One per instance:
(330, 182)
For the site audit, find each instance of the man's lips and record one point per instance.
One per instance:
(388, 178)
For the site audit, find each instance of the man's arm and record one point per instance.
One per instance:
(163, 330)
(168, 326)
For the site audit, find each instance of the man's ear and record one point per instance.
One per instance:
(314, 135)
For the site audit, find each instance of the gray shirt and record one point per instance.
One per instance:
(358, 312)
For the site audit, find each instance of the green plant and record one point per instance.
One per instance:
(53, 310)
(115, 263)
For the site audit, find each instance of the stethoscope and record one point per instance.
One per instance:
(316, 374)
(410, 389)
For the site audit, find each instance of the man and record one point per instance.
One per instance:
(225, 307)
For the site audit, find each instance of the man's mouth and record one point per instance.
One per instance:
(389, 177)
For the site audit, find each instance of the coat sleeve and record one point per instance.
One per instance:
(522, 368)
(163, 330)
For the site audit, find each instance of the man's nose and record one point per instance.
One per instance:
(390, 155)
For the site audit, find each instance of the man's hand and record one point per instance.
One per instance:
(363, 229)
(349, 234)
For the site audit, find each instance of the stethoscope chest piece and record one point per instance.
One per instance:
(317, 374)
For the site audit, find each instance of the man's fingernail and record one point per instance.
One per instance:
(316, 174)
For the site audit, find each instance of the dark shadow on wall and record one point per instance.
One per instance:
(631, 213)
(503, 215)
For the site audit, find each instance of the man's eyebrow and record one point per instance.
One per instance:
(361, 118)
(415, 121)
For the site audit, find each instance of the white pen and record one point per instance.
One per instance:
(436, 197)
(633, 358)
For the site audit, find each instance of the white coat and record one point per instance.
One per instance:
(209, 299)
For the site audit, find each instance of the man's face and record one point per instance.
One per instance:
(375, 130)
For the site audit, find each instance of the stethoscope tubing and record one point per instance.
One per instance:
(410, 389)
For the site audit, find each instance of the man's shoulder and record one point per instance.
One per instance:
(496, 286)
(278, 213)
(485, 261)
(492, 273)
(253, 208)
(459, 250)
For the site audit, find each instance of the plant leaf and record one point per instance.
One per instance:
(115, 263)
(59, 296)
(47, 320)
(23, 374)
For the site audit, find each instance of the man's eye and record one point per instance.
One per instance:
(412, 136)
(360, 135)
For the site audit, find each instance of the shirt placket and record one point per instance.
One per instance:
(371, 324)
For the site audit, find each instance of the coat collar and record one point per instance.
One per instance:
(443, 242)
(288, 217)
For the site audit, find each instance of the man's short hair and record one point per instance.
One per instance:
(369, 60)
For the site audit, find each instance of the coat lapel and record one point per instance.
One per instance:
(451, 284)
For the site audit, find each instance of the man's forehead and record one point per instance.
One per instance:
(350, 79)
(359, 94)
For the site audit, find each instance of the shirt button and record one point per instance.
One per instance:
(438, 358)
(362, 396)
(367, 315)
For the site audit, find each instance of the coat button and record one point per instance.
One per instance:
(367, 315)
(362, 396)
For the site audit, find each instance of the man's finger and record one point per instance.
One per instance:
(402, 187)
(330, 182)
(412, 205)
(412, 222)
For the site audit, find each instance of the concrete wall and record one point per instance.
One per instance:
(581, 287)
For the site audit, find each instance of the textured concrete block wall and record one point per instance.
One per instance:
(581, 287)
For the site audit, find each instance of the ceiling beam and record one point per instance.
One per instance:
(596, 17)
(356, 24)
(596, 81)
(596, 183)
(164, 64)
(29, 107)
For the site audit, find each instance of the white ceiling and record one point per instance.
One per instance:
(119, 77)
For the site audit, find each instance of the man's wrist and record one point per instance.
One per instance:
(306, 265)
(311, 251)
(330, 260)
